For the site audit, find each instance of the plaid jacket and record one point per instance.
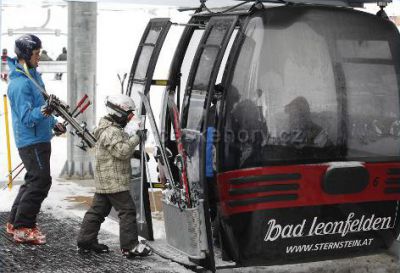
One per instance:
(113, 151)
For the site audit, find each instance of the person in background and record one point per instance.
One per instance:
(303, 130)
(114, 149)
(61, 57)
(211, 138)
(4, 57)
(33, 126)
(44, 56)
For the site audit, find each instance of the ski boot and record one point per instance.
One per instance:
(141, 250)
(84, 248)
(29, 236)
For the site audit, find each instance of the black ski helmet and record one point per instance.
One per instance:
(25, 44)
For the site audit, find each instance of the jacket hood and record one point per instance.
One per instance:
(104, 123)
(13, 64)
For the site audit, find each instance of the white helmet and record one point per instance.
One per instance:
(120, 105)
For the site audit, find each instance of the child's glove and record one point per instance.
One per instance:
(132, 127)
(142, 134)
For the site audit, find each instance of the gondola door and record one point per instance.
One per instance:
(140, 80)
(200, 87)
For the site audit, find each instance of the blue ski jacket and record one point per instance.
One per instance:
(30, 126)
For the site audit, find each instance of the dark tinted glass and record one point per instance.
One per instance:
(313, 84)
(205, 67)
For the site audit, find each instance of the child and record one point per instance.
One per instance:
(113, 151)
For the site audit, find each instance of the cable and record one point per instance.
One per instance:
(224, 11)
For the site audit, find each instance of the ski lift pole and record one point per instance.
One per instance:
(8, 143)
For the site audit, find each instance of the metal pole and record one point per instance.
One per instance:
(8, 143)
(81, 66)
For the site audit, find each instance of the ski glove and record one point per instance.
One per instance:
(138, 155)
(50, 105)
(132, 127)
(59, 129)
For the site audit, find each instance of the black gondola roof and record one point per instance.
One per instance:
(346, 3)
(248, 4)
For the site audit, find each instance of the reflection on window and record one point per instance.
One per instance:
(240, 80)
(195, 114)
(135, 96)
(364, 49)
(299, 95)
(204, 69)
(373, 107)
(143, 63)
(217, 34)
(153, 35)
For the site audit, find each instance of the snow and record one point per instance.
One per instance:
(59, 205)
(348, 164)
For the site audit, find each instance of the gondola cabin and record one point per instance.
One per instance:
(280, 132)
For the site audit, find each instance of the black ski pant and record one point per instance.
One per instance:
(36, 159)
(101, 207)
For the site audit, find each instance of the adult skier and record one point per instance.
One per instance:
(114, 148)
(33, 126)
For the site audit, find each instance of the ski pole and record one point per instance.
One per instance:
(83, 109)
(122, 81)
(15, 176)
(65, 123)
(15, 168)
(79, 104)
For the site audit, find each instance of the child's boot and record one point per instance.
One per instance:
(96, 247)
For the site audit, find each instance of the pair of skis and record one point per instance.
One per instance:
(181, 191)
